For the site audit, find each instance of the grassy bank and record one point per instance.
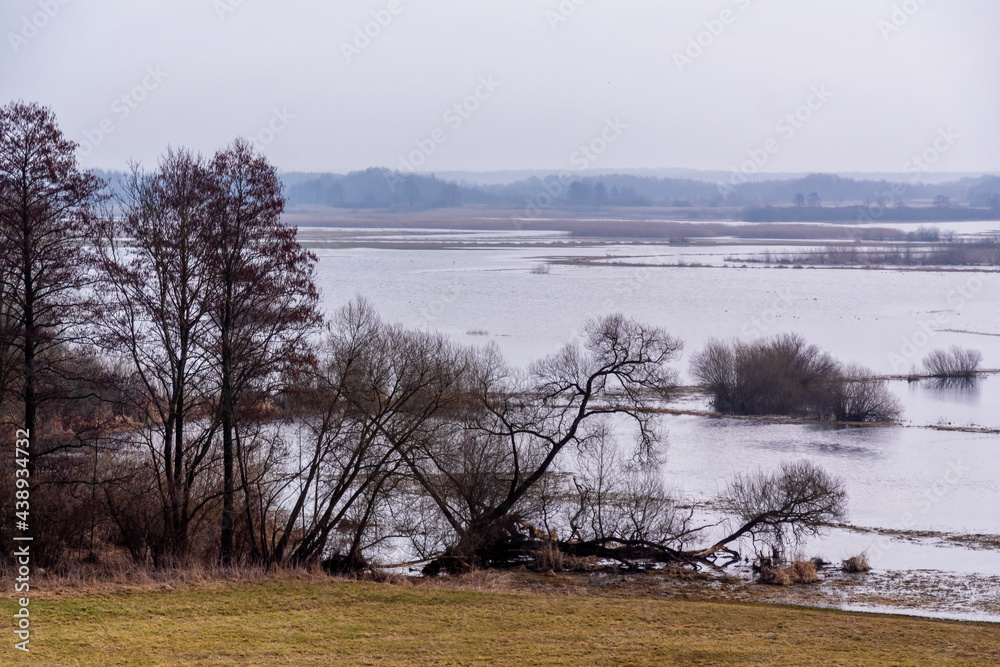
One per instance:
(336, 623)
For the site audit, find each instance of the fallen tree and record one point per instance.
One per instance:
(773, 509)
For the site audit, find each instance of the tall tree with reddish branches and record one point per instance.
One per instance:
(266, 304)
(46, 204)
(155, 293)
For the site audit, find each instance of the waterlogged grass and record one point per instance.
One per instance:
(294, 623)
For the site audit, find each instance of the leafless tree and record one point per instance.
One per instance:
(266, 300)
(513, 427)
(45, 208)
(798, 500)
(376, 390)
(617, 507)
(8, 349)
(155, 298)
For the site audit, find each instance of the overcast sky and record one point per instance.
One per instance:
(625, 77)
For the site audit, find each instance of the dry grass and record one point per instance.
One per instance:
(116, 579)
(799, 572)
(626, 223)
(347, 623)
(856, 564)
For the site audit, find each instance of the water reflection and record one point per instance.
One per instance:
(963, 390)
(960, 402)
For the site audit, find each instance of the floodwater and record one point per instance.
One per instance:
(888, 320)
(928, 484)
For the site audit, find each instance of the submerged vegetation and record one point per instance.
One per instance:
(980, 252)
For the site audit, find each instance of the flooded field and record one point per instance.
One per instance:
(886, 319)
(922, 499)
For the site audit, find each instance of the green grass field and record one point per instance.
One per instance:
(337, 623)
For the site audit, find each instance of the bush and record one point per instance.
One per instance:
(926, 234)
(799, 572)
(862, 397)
(855, 564)
(548, 559)
(777, 376)
(785, 376)
(795, 501)
(957, 362)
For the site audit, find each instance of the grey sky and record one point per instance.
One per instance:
(226, 66)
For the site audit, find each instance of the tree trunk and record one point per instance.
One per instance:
(226, 552)
(30, 335)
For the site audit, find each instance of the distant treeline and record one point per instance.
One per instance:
(874, 213)
(384, 189)
(817, 198)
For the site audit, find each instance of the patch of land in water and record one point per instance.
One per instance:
(651, 224)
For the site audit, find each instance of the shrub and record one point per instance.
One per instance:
(548, 559)
(855, 564)
(795, 501)
(799, 572)
(862, 397)
(781, 375)
(785, 376)
(804, 572)
(957, 362)
(774, 576)
(926, 234)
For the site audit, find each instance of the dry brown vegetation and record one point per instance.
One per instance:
(856, 564)
(783, 375)
(796, 573)
(652, 224)
(982, 253)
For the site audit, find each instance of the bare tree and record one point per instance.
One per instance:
(155, 295)
(618, 508)
(8, 336)
(375, 391)
(45, 207)
(513, 427)
(798, 500)
(266, 300)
